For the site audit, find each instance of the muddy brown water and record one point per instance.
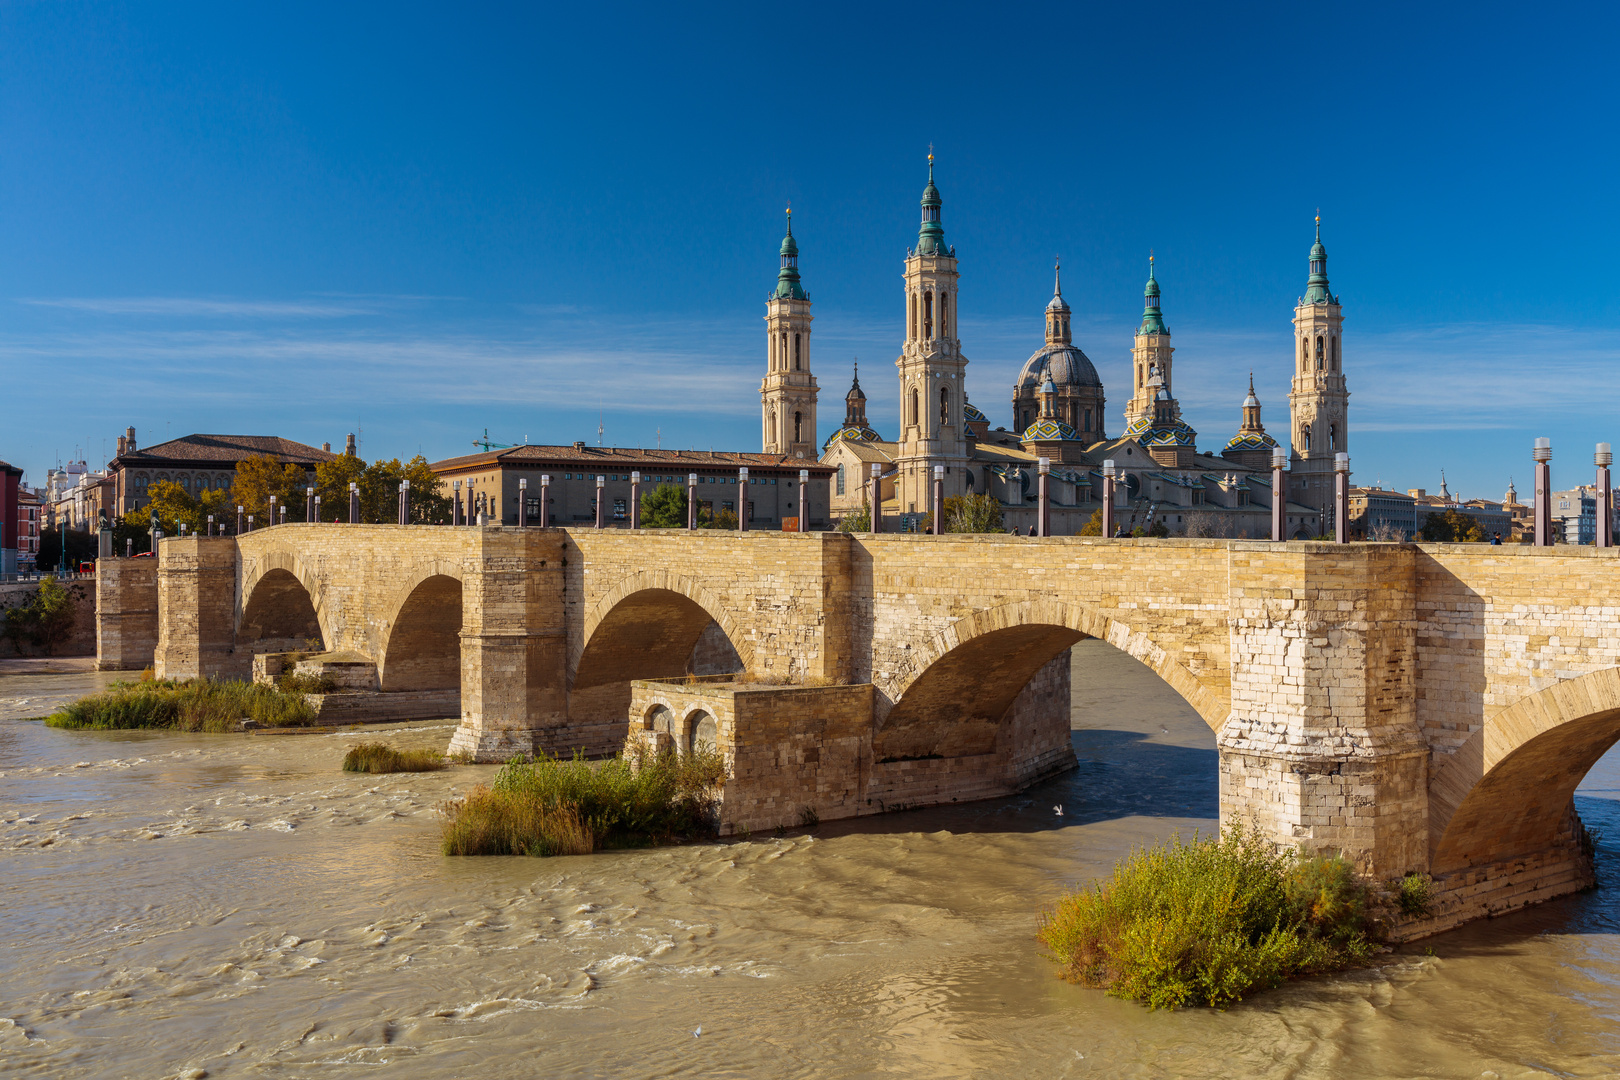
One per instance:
(236, 906)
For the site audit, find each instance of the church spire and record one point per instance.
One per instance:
(1057, 312)
(1152, 320)
(931, 237)
(1316, 288)
(788, 286)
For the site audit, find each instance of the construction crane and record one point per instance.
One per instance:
(487, 445)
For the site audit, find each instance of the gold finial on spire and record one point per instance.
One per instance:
(930, 154)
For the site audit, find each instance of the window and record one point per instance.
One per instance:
(618, 510)
(750, 509)
(1318, 354)
(798, 427)
(795, 352)
(770, 428)
(944, 315)
(1088, 419)
(944, 406)
(840, 479)
(914, 410)
(728, 505)
(928, 315)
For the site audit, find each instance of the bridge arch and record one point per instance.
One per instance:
(281, 604)
(1509, 790)
(421, 647)
(645, 627)
(1026, 635)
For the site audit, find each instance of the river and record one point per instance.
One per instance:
(236, 906)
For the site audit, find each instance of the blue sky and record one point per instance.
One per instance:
(419, 222)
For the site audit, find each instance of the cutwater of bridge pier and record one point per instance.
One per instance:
(1420, 708)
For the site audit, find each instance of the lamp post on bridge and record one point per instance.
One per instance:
(472, 509)
(1605, 496)
(282, 508)
(1279, 502)
(272, 514)
(601, 482)
(317, 517)
(523, 502)
(691, 500)
(1542, 452)
(309, 504)
(210, 524)
(239, 509)
(877, 501)
(1109, 471)
(939, 500)
(742, 499)
(404, 502)
(635, 498)
(1043, 511)
(354, 502)
(545, 500)
(1341, 498)
(804, 500)
(455, 503)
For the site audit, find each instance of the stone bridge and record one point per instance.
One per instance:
(1422, 708)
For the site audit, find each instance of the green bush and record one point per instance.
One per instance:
(570, 807)
(1414, 898)
(1207, 921)
(379, 757)
(45, 619)
(185, 705)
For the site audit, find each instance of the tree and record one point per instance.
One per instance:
(721, 520)
(174, 505)
(664, 507)
(332, 480)
(858, 522)
(1094, 526)
(429, 505)
(1451, 527)
(262, 476)
(46, 618)
(973, 514)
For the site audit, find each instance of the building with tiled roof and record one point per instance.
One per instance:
(490, 481)
(198, 463)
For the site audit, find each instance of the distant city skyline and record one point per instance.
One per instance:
(419, 227)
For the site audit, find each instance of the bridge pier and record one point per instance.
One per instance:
(1322, 750)
(196, 601)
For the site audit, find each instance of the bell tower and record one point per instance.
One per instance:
(931, 367)
(1149, 355)
(1319, 402)
(787, 395)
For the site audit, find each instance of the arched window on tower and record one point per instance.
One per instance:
(770, 352)
(911, 315)
(1333, 436)
(944, 406)
(795, 352)
(914, 414)
(928, 316)
(781, 356)
(1304, 354)
(798, 427)
(944, 315)
(1335, 366)
(1305, 436)
(770, 429)
(1319, 354)
(1088, 420)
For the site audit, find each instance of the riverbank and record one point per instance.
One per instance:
(272, 915)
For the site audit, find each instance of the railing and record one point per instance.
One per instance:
(35, 576)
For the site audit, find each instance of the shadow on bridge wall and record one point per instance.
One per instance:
(423, 650)
(278, 616)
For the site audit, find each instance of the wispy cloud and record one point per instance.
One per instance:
(185, 306)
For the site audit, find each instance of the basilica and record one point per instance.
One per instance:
(1165, 484)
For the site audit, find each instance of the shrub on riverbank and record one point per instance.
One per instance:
(379, 757)
(185, 705)
(573, 807)
(1207, 921)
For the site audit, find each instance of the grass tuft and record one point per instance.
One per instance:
(1206, 921)
(294, 683)
(184, 705)
(379, 757)
(1414, 895)
(572, 806)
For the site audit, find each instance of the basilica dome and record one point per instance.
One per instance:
(1067, 365)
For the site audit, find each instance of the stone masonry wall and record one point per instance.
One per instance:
(82, 642)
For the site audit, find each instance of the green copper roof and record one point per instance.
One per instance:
(787, 280)
(1152, 320)
(1316, 288)
(931, 237)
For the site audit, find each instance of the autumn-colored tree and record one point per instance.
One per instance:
(1094, 526)
(379, 493)
(260, 477)
(332, 479)
(973, 514)
(1451, 527)
(175, 505)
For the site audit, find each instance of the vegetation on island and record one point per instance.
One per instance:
(1207, 921)
(212, 705)
(45, 619)
(379, 757)
(552, 806)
